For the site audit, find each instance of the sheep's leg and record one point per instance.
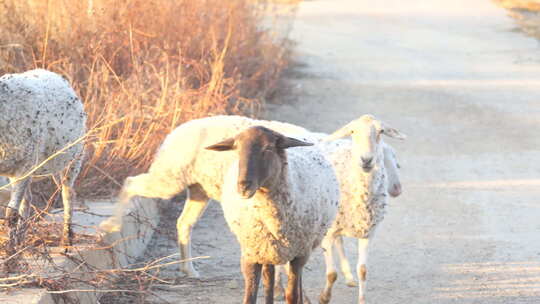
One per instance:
(12, 217)
(279, 291)
(67, 200)
(17, 195)
(268, 272)
(67, 179)
(344, 263)
(331, 274)
(252, 276)
(361, 269)
(194, 207)
(294, 293)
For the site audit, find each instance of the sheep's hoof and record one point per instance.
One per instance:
(190, 272)
(110, 225)
(324, 298)
(351, 283)
(279, 293)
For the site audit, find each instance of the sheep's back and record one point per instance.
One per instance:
(41, 114)
(182, 159)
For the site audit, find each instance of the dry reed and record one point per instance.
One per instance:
(142, 67)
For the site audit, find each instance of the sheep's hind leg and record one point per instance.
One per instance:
(361, 269)
(12, 218)
(344, 263)
(331, 274)
(252, 276)
(67, 179)
(194, 207)
(268, 283)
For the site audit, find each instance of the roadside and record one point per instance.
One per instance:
(464, 85)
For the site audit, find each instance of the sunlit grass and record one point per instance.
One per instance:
(143, 67)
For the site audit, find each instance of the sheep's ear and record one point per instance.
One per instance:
(391, 132)
(226, 145)
(285, 142)
(343, 132)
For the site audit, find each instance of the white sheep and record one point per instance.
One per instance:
(393, 187)
(363, 187)
(279, 203)
(42, 122)
(182, 163)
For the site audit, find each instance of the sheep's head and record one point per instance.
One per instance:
(261, 157)
(366, 134)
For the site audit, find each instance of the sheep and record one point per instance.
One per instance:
(182, 163)
(393, 188)
(42, 123)
(363, 190)
(278, 203)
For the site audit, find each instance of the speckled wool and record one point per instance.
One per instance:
(182, 160)
(39, 115)
(363, 196)
(290, 220)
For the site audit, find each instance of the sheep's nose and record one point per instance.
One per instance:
(245, 188)
(366, 160)
(244, 185)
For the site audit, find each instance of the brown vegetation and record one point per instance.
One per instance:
(142, 67)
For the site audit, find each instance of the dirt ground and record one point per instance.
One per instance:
(463, 83)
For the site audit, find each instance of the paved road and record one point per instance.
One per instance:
(464, 84)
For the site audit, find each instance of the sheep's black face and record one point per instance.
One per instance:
(261, 157)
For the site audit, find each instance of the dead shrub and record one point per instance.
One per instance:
(142, 67)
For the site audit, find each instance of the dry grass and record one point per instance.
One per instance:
(142, 67)
(531, 5)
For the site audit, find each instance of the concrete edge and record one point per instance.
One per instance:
(115, 250)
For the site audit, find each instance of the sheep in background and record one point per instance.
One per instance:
(182, 162)
(394, 189)
(279, 204)
(40, 115)
(363, 187)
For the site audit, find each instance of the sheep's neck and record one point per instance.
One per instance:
(367, 180)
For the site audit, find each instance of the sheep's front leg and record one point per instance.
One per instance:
(344, 263)
(361, 269)
(294, 293)
(279, 291)
(252, 276)
(268, 283)
(331, 274)
(194, 207)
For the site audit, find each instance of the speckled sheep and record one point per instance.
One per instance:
(360, 165)
(393, 187)
(279, 203)
(40, 115)
(182, 163)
